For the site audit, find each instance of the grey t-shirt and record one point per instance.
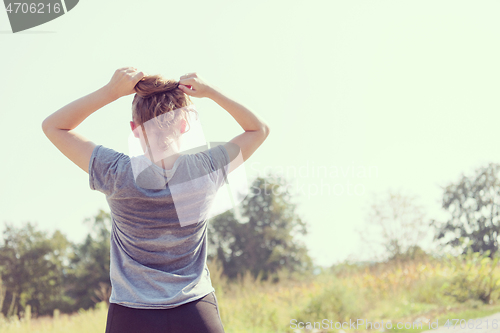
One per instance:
(157, 262)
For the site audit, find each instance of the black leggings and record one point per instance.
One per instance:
(200, 316)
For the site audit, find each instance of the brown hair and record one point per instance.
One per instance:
(156, 96)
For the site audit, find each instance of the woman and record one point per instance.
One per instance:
(160, 281)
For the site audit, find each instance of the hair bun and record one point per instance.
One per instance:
(154, 84)
(156, 96)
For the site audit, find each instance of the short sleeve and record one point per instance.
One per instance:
(104, 167)
(217, 164)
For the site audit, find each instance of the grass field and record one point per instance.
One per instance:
(409, 292)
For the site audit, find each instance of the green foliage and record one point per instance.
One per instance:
(265, 241)
(337, 301)
(474, 204)
(250, 304)
(44, 273)
(88, 276)
(32, 270)
(429, 291)
(474, 278)
(413, 253)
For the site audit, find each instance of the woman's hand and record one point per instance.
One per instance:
(193, 85)
(123, 81)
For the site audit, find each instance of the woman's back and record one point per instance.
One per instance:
(158, 239)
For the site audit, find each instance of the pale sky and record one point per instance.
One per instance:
(409, 89)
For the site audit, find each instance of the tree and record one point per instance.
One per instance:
(50, 273)
(397, 223)
(473, 203)
(266, 241)
(89, 281)
(32, 270)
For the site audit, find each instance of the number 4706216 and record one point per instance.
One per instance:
(23, 7)
(472, 323)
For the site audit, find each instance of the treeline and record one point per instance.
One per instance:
(49, 272)
(472, 206)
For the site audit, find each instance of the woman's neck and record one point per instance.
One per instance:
(166, 163)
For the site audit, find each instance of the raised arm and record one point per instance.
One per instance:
(59, 126)
(255, 129)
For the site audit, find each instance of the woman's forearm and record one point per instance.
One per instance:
(71, 115)
(247, 119)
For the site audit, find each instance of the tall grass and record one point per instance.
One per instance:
(396, 291)
(92, 320)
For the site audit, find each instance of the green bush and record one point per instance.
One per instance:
(429, 291)
(336, 302)
(474, 278)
